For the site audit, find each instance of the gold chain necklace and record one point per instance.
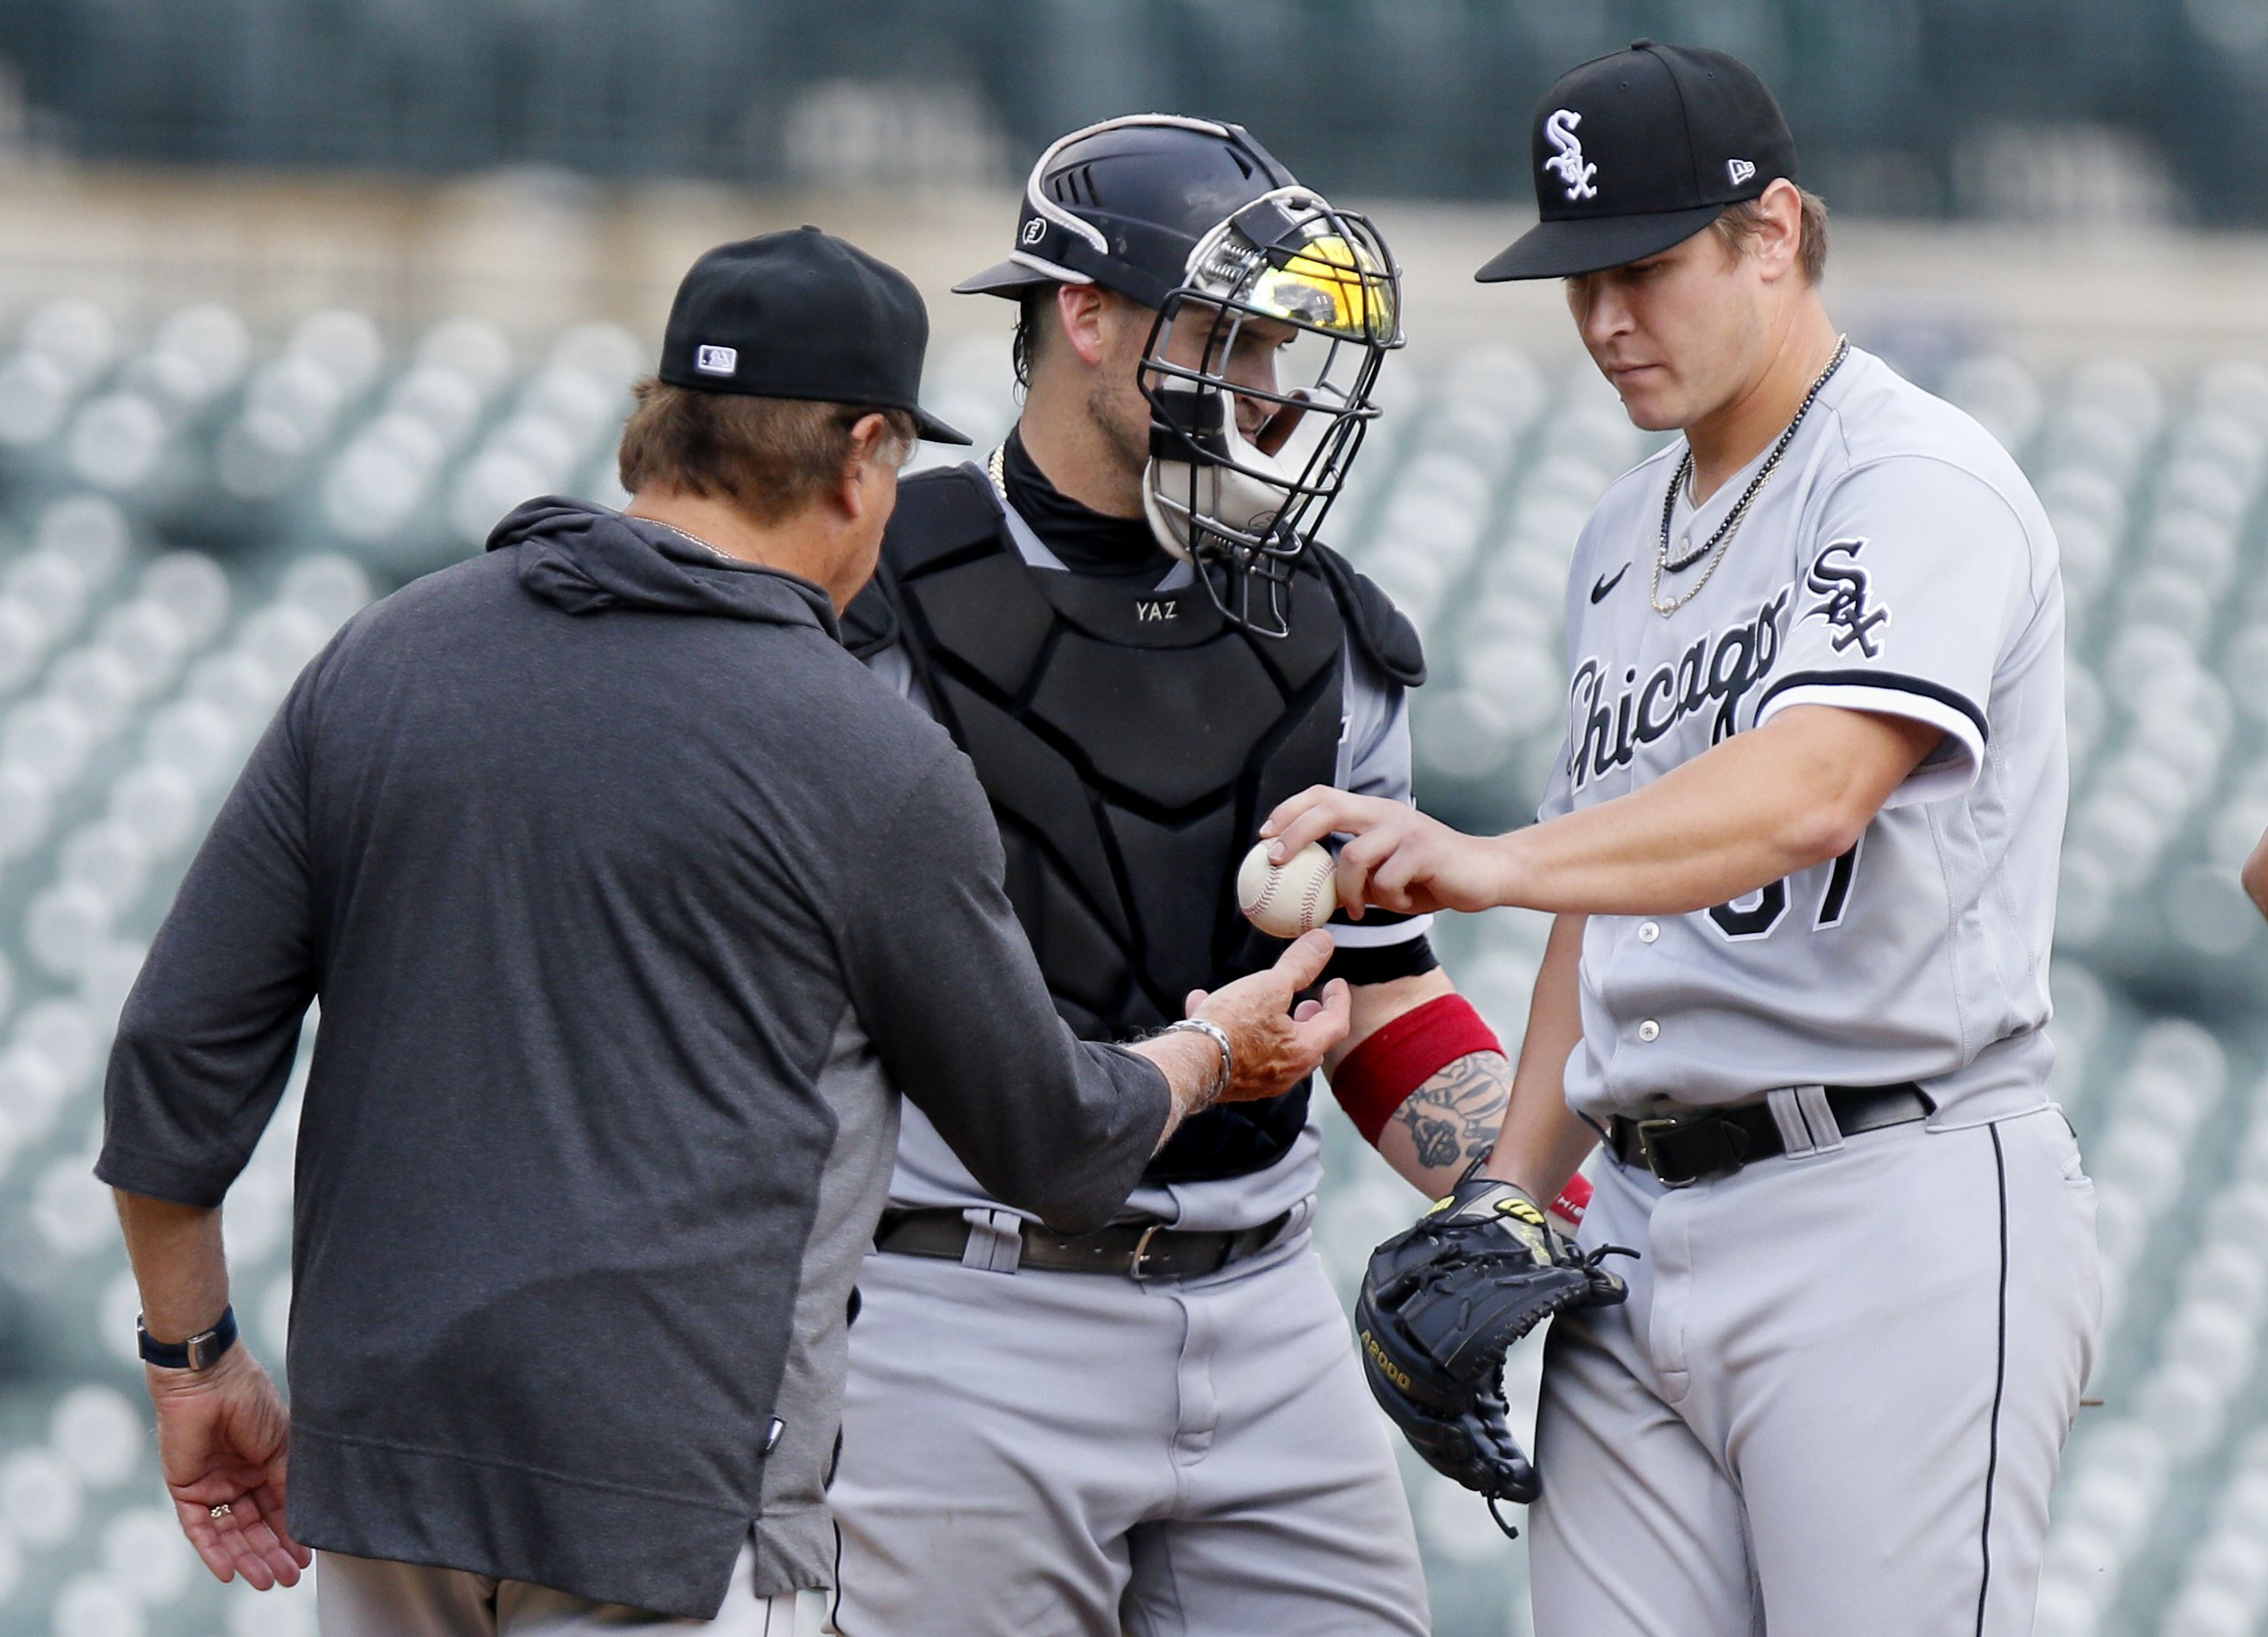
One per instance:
(1721, 541)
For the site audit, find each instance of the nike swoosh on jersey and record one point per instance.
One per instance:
(1598, 591)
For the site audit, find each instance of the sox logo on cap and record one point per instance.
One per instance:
(1559, 131)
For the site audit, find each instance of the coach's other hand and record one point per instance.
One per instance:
(1397, 858)
(223, 1435)
(1275, 1044)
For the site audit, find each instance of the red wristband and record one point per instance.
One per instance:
(1574, 1199)
(1378, 1076)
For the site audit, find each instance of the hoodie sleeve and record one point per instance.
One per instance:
(947, 986)
(205, 1043)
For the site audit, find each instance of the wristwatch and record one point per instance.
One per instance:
(200, 1351)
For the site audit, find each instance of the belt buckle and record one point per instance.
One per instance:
(1646, 1130)
(1135, 1268)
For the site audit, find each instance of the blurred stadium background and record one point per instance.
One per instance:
(297, 298)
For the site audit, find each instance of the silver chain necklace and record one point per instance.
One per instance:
(1721, 541)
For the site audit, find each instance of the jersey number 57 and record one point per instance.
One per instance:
(1769, 905)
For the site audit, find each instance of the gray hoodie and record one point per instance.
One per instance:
(629, 896)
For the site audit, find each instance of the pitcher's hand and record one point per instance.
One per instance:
(1277, 1046)
(1397, 858)
(223, 1440)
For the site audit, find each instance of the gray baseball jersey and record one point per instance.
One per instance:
(1373, 760)
(1837, 1395)
(1897, 561)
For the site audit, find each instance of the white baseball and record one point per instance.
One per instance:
(1285, 899)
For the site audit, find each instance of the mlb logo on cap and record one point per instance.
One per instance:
(818, 319)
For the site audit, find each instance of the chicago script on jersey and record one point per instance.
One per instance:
(1607, 731)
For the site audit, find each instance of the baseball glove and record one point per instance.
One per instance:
(1442, 1303)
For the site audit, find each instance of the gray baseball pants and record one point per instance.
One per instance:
(1834, 1403)
(371, 1597)
(1073, 1455)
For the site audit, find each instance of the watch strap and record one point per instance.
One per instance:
(200, 1351)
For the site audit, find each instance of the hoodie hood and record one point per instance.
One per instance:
(586, 559)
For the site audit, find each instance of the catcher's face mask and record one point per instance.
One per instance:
(1259, 374)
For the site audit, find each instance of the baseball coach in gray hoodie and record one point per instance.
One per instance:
(633, 902)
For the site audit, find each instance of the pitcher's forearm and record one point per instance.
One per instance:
(1542, 1144)
(1706, 832)
(1543, 1141)
(178, 1262)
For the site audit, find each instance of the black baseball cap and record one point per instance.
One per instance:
(801, 315)
(1640, 150)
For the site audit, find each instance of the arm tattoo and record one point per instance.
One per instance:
(1455, 1115)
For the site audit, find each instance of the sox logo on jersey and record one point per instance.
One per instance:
(1844, 589)
(1567, 162)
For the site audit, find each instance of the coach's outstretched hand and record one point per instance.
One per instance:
(1397, 859)
(1275, 1045)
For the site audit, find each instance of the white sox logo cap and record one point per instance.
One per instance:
(1639, 150)
(1568, 162)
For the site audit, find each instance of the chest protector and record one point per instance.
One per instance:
(1131, 741)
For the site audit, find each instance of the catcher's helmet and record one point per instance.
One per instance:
(1124, 203)
(1199, 222)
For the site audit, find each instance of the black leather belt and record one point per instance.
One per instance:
(1689, 1146)
(1137, 1250)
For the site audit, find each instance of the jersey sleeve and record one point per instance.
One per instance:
(1377, 763)
(1906, 597)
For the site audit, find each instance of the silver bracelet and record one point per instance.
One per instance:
(1219, 1036)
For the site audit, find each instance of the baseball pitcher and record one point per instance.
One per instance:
(1801, 847)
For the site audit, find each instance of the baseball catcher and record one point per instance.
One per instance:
(1125, 616)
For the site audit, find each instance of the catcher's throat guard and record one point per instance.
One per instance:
(1260, 372)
